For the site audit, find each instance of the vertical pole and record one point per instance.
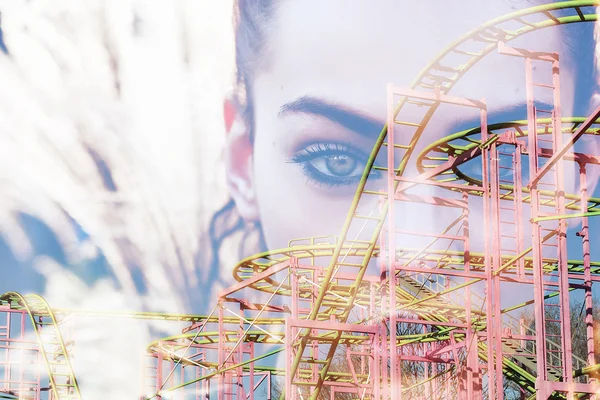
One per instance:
(518, 195)
(385, 387)
(7, 368)
(206, 384)
(289, 332)
(434, 383)
(289, 393)
(239, 378)
(391, 249)
(200, 392)
(251, 356)
(540, 337)
(181, 382)
(471, 339)
(496, 263)
(171, 380)
(489, 300)
(221, 353)
(376, 362)
(424, 347)
(293, 278)
(382, 336)
(145, 386)
(38, 360)
(447, 389)
(585, 238)
(159, 365)
(21, 369)
(563, 266)
(460, 387)
(315, 343)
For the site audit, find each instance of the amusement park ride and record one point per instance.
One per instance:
(359, 316)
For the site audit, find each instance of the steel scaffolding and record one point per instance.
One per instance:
(390, 309)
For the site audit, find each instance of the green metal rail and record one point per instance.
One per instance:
(485, 39)
(440, 75)
(61, 376)
(458, 143)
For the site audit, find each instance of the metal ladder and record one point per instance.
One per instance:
(54, 351)
(440, 76)
(547, 200)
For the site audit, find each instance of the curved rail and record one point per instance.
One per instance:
(250, 266)
(458, 143)
(63, 382)
(261, 263)
(440, 75)
(408, 296)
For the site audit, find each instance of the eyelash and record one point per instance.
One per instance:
(329, 149)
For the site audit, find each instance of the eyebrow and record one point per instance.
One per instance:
(352, 120)
(514, 112)
(371, 127)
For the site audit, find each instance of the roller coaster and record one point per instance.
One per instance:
(361, 315)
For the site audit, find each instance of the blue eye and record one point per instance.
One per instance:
(330, 164)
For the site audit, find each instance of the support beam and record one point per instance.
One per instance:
(566, 147)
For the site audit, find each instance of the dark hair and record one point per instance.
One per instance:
(250, 21)
(250, 17)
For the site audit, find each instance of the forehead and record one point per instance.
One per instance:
(342, 28)
(352, 49)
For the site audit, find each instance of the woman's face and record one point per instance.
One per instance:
(320, 98)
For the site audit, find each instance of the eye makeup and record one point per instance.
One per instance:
(330, 164)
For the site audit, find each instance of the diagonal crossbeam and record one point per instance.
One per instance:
(566, 147)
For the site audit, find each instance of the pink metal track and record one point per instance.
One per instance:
(472, 301)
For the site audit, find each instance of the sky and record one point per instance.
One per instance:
(86, 92)
(99, 154)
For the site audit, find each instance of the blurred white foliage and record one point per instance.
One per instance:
(140, 83)
(107, 355)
